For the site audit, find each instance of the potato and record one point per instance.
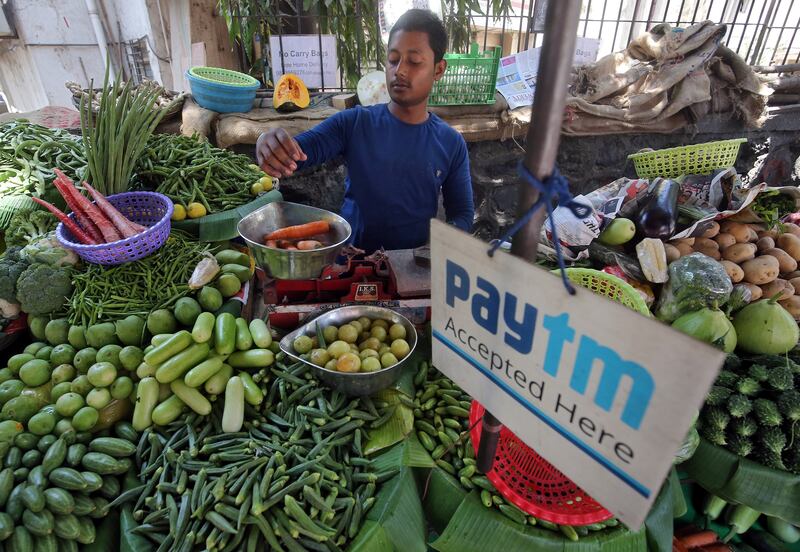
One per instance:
(709, 252)
(684, 248)
(705, 243)
(778, 286)
(755, 291)
(791, 228)
(740, 252)
(795, 283)
(792, 304)
(765, 243)
(673, 253)
(791, 244)
(687, 241)
(712, 230)
(742, 232)
(724, 240)
(761, 270)
(735, 272)
(784, 259)
(768, 234)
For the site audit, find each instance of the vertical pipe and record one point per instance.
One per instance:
(760, 41)
(634, 20)
(791, 43)
(100, 36)
(783, 28)
(541, 148)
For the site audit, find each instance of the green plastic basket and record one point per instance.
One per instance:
(223, 76)
(608, 285)
(470, 79)
(695, 159)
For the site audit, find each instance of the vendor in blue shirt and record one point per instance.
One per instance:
(398, 156)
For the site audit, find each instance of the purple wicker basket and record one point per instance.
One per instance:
(146, 208)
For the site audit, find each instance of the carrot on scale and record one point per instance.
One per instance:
(300, 231)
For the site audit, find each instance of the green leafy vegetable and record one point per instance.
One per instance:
(771, 205)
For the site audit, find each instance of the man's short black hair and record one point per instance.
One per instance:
(424, 21)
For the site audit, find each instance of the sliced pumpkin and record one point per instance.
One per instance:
(290, 94)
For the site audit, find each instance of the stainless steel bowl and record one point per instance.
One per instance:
(292, 265)
(359, 383)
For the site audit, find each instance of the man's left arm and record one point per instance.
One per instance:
(457, 190)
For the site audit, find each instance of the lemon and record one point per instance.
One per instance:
(256, 188)
(196, 210)
(178, 212)
(266, 182)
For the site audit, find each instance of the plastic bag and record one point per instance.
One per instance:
(695, 282)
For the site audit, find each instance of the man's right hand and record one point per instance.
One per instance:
(277, 153)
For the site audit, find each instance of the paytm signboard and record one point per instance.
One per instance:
(602, 392)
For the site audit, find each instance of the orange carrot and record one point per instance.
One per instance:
(308, 245)
(300, 231)
(677, 545)
(702, 538)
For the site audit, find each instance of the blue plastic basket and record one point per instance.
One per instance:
(222, 90)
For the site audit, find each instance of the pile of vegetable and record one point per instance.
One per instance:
(116, 137)
(163, 100)
(95, 223)
(298, 237)
(753, 409)
(740, 519)
(191, 171)
(380, 346)
(137, 288)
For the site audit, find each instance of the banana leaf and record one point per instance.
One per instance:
(397, 512)
(107, 534)
(222, 226)
(743, 481)
(128, 541)
(396, 427)
(441, 496)
(409, 453)
(475, 528)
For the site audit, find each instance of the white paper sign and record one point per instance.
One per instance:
(303, 56)
(603, 393)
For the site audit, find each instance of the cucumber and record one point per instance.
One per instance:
(86, 534)
(31, 458)
(244, 341)
(13, 458)
(231, 256)
(146, 399)
(171, 347)
(124, 430)
(59, 501)
(113, 446)
(93, 481)
(252, 392)
(54, 456)
(25, 440)
(159, 340)
(181, 363)
(225, 334)
(198, 375)
(45, 443)
(783, 530)
(241, 272)
(6, 485)
(33, 498)
(21, 540)
(111, 487)
(38, 523)
(260, 333)
(102, 464)
(6, 526)
(67, 526)
(20, 474)
(75, 453)
(83, 505)
(215, 385)
(45, 543)
(66, 545)
(254, 358)
(102, 507)
(14, 505)
(191, 397)
(233, 413)
(168, 411)
(203, 327)
(67, 478)
(37, 477)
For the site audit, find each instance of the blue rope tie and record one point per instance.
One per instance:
(553, 187)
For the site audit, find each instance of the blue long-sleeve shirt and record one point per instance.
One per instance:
(395, 171)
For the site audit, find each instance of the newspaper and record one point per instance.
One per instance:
(516, 76)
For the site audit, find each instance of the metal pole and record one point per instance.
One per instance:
(541, 148)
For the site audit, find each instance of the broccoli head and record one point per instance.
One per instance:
(43, 289)
(28, 226)
(11, 267)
